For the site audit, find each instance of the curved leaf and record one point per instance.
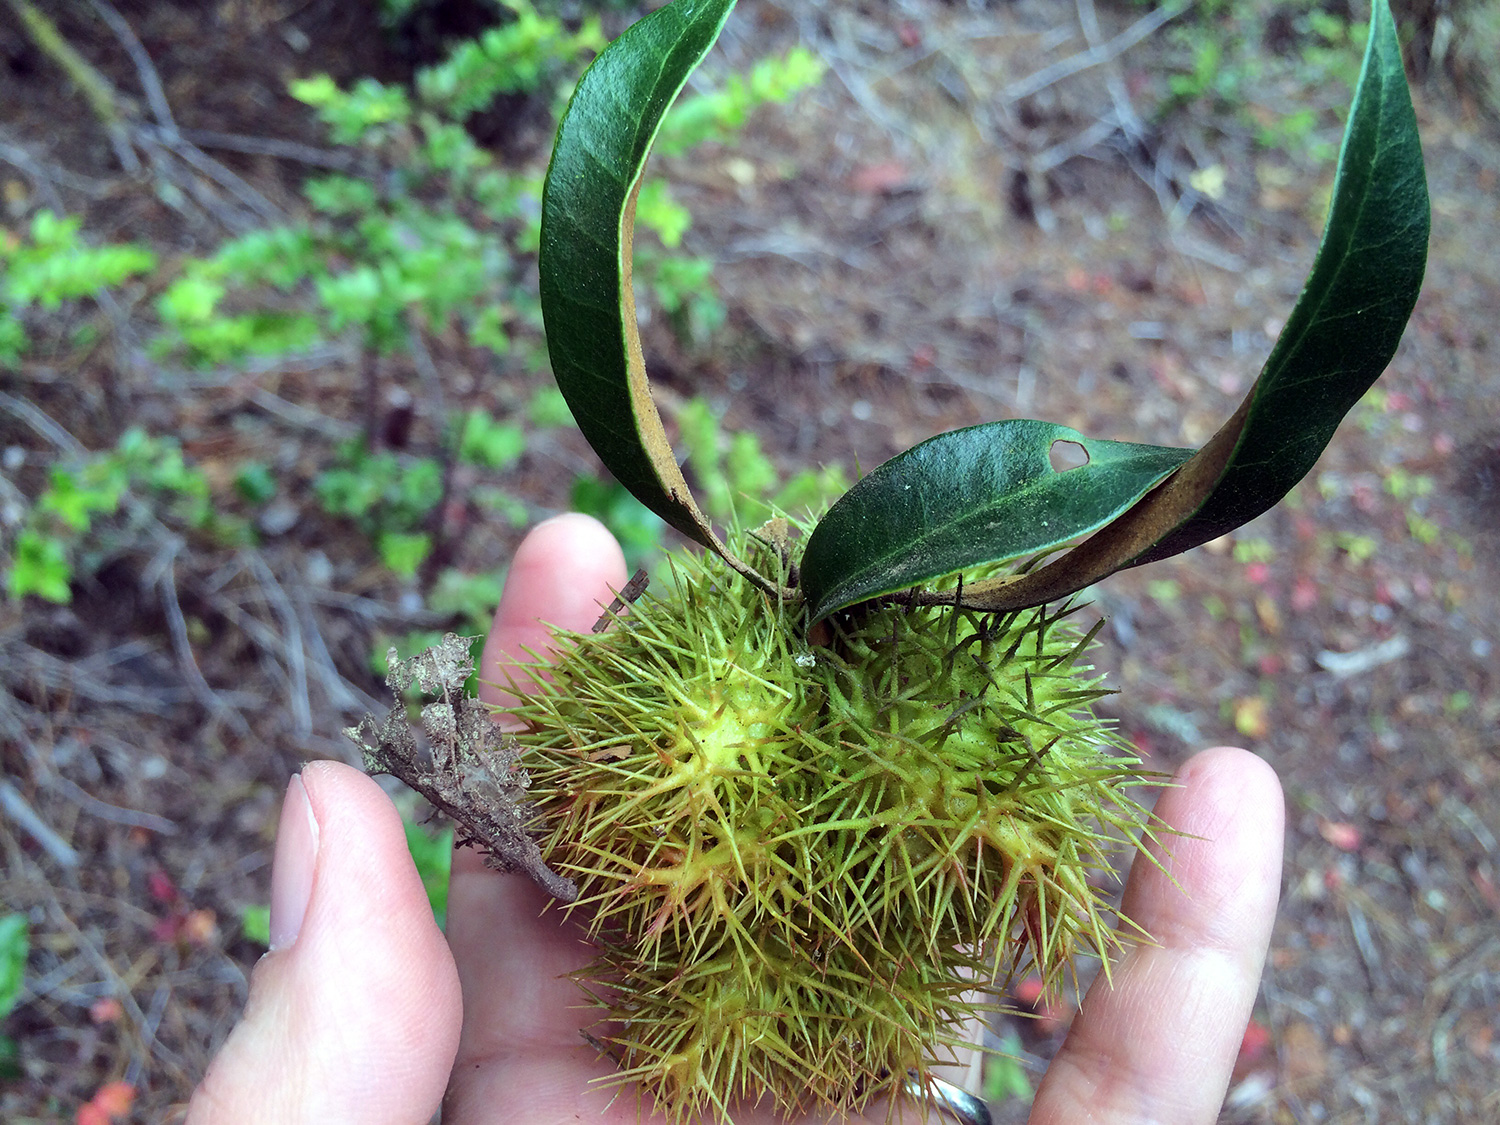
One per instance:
(588, 225)
(968, 497)
(1339, 338)
(1349, 318)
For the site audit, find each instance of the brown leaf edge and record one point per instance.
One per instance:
(1117, 545)
(685, 515)
(468, 769)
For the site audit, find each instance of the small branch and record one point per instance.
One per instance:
(132, 355)
(166, 585)
(633, 590)
(120, 989)
(1125, 115)
(14, 806)
(40, 421)
(94, 87)
(1063, 151)
(370, 373)
(173, 159)
(269, 146)
(48, 176)
(470, 771)
(1073, 64)
(292, 642)
(150, 81)
(340, 692)
(215, 171)
(299, 415)
(53, 672)
(131, 818)
(174, 177)
(436, 524)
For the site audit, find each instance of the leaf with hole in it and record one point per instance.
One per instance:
(588, 223)
(979, 495)
(1339, 338)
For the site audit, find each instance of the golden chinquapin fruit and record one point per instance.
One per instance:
(799, 860)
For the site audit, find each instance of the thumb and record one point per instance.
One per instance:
(354, 1014)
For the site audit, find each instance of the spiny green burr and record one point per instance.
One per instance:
(799, 861)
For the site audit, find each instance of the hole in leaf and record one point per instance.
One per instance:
(1065, 455)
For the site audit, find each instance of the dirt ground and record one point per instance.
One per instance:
(917, 244)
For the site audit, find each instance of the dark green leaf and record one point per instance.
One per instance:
(588, 219)
(979, 495)
(1339, 338)
(1348, 321)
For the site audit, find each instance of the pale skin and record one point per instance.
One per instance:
(364, 1012)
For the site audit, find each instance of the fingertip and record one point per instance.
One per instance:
(565, 570)
(1223, 783)
(366, 879)
(1235, 766)
(1217, 875)
(370, 924)
(294, 865)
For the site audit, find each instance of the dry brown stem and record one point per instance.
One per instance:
(469, 770)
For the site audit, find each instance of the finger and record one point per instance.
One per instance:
(526, 1060)
(565, 571)
(355, 1013)
(514, 955)
(1157, 1043)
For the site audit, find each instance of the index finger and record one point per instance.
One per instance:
(564, 573)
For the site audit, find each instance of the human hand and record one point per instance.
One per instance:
(362, 1012)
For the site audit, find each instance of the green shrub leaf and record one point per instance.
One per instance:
(255, 924)
(978, 495)
(404, 551)
(15, 946)
(488, 443)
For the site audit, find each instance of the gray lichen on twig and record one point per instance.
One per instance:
(469, 770)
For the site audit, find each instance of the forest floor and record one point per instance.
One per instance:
(916, 244)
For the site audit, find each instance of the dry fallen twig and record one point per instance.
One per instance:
(46, 175)
(470, 771)
(132, 818)
(293, 643)
(182, 646)
(1073, 64)
(15, 807)
(271, 146)
(184, 173)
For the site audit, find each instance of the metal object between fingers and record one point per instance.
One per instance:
(953, 1101)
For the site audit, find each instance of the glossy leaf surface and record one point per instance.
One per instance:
(977, 495)
(1340, 336)
(1348, 321)
(588, 224)
(986, 495)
